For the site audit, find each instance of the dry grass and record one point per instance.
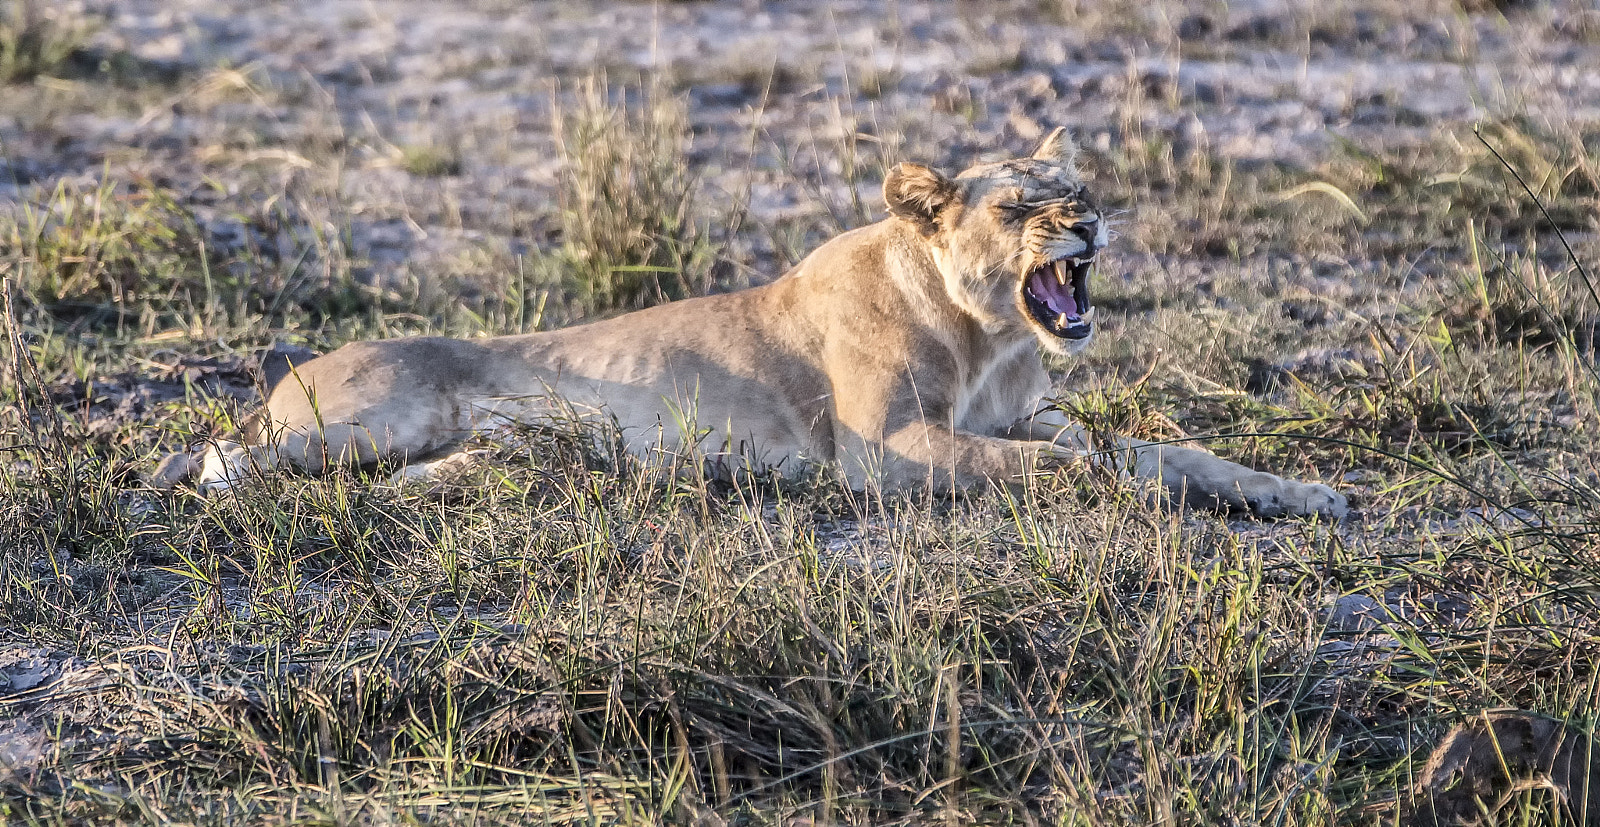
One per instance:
(89, 253)
(566, 634)
(36, 38)
(631, 225)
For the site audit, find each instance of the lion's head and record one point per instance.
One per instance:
(1014, 240)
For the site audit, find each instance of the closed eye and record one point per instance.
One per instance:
(1030, 206)
(1016, 210)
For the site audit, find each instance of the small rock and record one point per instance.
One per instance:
(1197, 27)
(721, 94)
(1188, 137)
(23, 747)
(1359, 613)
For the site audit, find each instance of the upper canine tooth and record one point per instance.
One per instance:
(1061, 271)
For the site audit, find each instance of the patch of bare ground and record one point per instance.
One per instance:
(1324, 264)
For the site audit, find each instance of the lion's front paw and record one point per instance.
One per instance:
(1313, 499)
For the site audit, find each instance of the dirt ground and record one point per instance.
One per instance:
(1312, 241)
(783, 99)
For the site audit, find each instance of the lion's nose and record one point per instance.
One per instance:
(1086, 228)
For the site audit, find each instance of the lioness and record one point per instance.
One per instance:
(906, 351)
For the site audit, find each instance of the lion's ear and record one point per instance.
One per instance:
(1057, 148)
(918, 194)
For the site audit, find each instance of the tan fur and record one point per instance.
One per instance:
(903, 351)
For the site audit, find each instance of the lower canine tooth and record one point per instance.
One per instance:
(1061, 320)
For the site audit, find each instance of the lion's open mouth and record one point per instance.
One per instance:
(1057, 294)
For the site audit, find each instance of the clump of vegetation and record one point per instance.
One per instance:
(104, 250)
(632, 230)
(135, 254)
(430, 161)
(37, 37)
(1516, 302)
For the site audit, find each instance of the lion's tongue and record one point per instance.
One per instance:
(1057, 296)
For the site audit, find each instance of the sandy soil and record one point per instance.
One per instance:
(327, 96)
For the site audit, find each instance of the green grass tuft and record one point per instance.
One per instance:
(100, 251)
(430, 161)
(36, 38)
(632, 228)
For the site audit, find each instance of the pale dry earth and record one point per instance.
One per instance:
(334, 92)
(289, 128)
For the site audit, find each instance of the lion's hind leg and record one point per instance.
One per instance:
(496, 419)
(214, 469)
(175, 469)
(225, 464)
